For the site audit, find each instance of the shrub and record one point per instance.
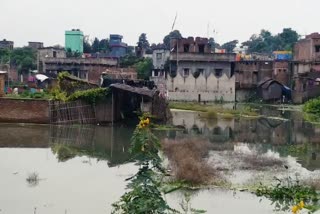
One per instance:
(187, 159)
(211, 114)
(312, 106)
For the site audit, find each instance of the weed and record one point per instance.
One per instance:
(187, 161)
(144, 195)
(288, 193)
(227, 116)
(33, 179)
(210, 114)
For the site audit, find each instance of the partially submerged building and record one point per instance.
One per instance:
(196, 74)
(271, 90)
(306, 68)
(248, 74)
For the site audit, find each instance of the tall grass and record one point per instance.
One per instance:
(187, 160)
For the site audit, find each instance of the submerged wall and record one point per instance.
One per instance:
(24, 111)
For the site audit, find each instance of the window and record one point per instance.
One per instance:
(54, 54)
(156, 73)
(159, 56)
(186, 48)
(186, 72)
(317, 47)
(198, 72)
(218, 72)
(201, 48)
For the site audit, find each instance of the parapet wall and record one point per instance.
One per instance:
(24, 111)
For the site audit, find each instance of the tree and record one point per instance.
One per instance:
(95, 45)
(129, 60)
(144, 68)
(104, 46)
(86, 45)
(23, 58)
(26, 65)
(288, 38)
(229, 46)
(173, 34)
(266, 43)
(143, 42)
(213, 44)
(70, 53)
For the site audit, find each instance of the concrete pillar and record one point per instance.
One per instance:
(2, 82)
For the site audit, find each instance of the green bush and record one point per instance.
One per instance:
(37, 95)
(312, 106)
(25, 94)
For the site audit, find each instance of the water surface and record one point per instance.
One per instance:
(82, 169)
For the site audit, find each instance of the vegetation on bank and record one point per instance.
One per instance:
(212, 112)
(289, 194)
(91, 96)
(28, 95)
(312, 110)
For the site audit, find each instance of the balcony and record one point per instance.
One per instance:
(203, 57)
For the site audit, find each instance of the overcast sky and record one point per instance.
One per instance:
(46, 20)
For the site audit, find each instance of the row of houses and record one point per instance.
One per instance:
(197, 74)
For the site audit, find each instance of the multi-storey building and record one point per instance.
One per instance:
(196, 74)
(306, 68)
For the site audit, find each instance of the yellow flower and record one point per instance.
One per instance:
(147, 121)
(301, 204)
(295, 209)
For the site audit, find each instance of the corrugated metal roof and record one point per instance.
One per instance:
(136, 90)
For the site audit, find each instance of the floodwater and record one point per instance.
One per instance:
(82, 169)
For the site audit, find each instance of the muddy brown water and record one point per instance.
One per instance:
(91, 175)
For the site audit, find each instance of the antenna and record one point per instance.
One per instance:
(174, 22)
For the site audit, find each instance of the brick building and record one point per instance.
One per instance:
(248, 74)
(196, 74)
(53, 60)
(306, 68)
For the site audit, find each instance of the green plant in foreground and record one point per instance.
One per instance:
(144, 195)
(288, 193)
(185, 205)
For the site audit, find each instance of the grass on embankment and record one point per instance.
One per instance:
(210, 111)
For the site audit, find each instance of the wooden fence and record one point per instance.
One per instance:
(76, 112)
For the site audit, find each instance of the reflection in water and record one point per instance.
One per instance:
(102, 143)
(266, 133)
(33, 179)
(31, 148)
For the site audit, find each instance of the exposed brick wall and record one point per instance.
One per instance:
(24, 111)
